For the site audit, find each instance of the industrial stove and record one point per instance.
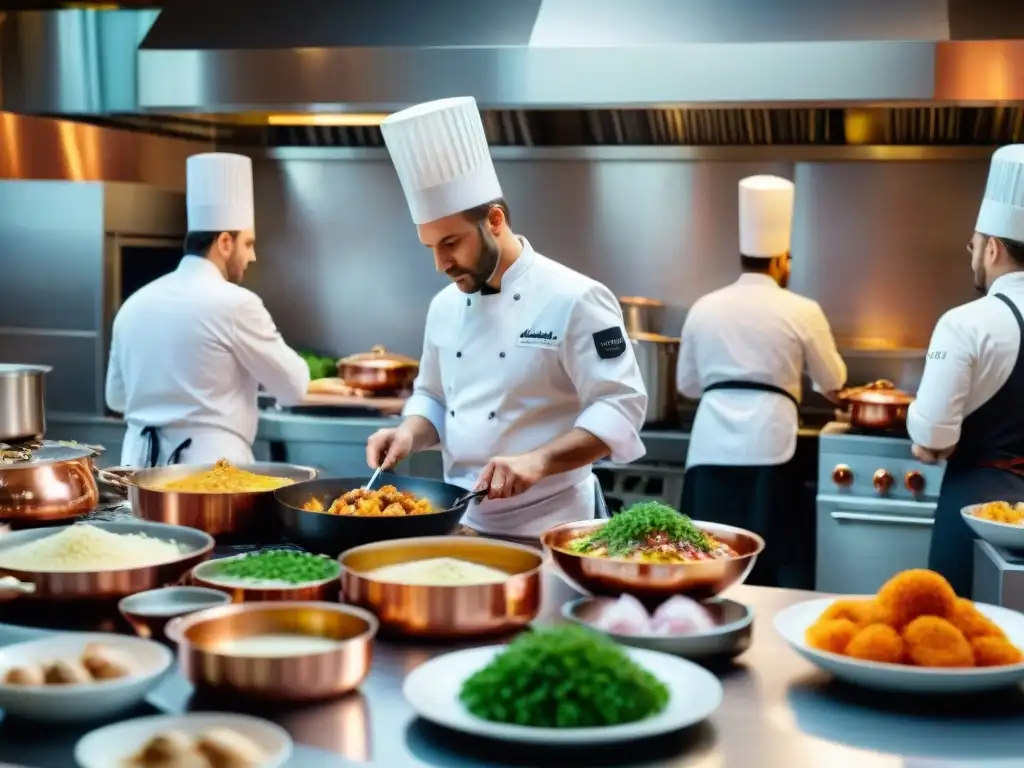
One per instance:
(875, 509)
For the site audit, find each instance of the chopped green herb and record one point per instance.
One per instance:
(563, 677)
(630, 529)
(279, 565)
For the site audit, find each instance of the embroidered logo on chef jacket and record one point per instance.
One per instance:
(533, 338)
(610, 343)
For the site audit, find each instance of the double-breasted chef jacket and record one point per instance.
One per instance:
(188, 353)
(505, 373)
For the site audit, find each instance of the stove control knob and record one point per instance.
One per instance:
(842, 476)
(914, 481)
(882, 480)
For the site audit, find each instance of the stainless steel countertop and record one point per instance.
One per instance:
(778, 711)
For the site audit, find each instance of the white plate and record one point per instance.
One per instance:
(793, 622)
(999, 534)
(87, 701)
(433, 691)
(110, 746)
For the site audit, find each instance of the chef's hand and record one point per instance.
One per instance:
(927, 455)
(507, 476)
(387, 447)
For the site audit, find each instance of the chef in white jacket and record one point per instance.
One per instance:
(190, 349)
(969, 405)
(526, 377)
(743, 352)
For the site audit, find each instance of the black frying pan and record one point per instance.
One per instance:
(333, 534)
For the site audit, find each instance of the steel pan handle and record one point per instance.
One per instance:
(470, 497)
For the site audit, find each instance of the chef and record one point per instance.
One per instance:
(968, 408)
(743, 351)
(526, 377)
(189, 349)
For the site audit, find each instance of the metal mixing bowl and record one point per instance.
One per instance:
(649, 583)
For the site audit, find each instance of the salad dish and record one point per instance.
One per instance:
(652, 552)
(562, 685)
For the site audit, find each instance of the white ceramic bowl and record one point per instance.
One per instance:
(793, 622)
(87, 701)
(998, 534)
(110, 746)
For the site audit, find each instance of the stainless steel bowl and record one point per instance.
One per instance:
(653, 584)
(734, 628)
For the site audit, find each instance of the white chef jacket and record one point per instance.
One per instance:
(970, 357)
(752, 330)
(504, 374)
(187, 355)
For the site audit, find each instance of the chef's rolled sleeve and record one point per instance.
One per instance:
(427, 399)
(935, 418)
(687, 373)
(825, 365)
(259, 347)
(609, 386)
(114, 390)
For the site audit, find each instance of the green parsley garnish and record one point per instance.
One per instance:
(630, 529)
(563, 677)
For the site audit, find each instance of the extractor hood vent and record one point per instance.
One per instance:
(924, 126)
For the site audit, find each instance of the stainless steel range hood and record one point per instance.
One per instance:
(311, 55)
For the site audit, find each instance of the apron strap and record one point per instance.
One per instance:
(753, 386)
(153, 438)
(175, 457)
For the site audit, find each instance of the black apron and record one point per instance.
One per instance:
(153, 435)
(761, 499)
(987, 465)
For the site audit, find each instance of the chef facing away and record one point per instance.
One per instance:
(190, 349)
(743, 352)
(526, 377)
(969, 405)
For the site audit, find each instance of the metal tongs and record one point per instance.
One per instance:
(466, 499)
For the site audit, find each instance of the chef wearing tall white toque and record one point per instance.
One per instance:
(526, 377)
(969, 405)
(743, 352)
(190, 349)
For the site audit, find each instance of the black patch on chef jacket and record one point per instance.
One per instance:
(610, 343)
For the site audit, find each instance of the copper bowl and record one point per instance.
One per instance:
(378, 371)
(308, 677)
(653, 584)
(203, 575)
(116, 582)
(217, 514)
(149, 612)
(877, 406)
(445, 612)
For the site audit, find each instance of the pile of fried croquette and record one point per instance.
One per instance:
(915, 619)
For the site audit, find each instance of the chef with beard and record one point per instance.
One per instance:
(190, 349)
(743, 351)
(968, 407)
(526, 377)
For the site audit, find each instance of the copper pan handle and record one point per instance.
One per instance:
(12, 588)
(172, 630)
(118, 477)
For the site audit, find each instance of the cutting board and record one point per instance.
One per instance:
(334, 392)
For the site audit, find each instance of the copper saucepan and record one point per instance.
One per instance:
(215, 513)
(878, 405)
(378, 371)
(47, 482)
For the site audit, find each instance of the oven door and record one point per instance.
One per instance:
(861, 543)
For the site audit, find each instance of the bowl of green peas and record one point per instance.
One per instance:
(271, 574)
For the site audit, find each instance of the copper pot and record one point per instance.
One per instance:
(641, 315)
(207, 664)
(215, 513)
(205, 575)
(445, 612)
(48, 483)
(378, 371)
(878, 405)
